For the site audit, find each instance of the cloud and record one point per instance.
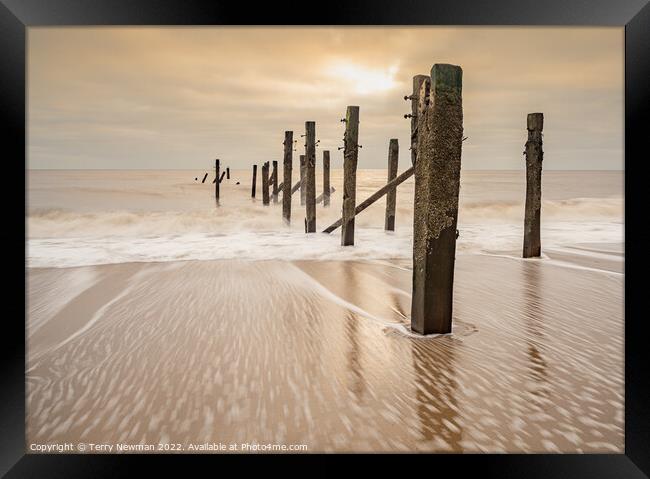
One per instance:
(151, 97)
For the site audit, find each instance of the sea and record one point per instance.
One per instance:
(92, 217)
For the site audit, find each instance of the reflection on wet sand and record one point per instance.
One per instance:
(533, 322)
(435, 395)
(311, 353)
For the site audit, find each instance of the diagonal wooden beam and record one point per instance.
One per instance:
(374, 197)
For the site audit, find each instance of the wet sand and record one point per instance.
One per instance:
(317, 353)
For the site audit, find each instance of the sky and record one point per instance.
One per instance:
(177, 98)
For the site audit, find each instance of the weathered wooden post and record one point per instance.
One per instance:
(350, 156)
(265, 183)
(310, 177)
(216, 183)
(303, 187)
(417, 86)
(275, 181)
(286, 184)
(254, 181)
(326, 178)
(223, 173)
(437, 183)
(203, 180)
(534, 156)
(393, 154)
(228, 173)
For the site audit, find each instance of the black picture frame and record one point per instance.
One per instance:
(634, 15)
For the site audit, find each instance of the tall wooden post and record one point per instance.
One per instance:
(216, 183)
(417, 86)
(303, 190)
(254, 181)
(350, 157)
(310, 177)
(286, 185)
(393, 155)
(228, 173)
(437, 184)
(265, 183)
(326, 178)
(275, 181)
(534, 156)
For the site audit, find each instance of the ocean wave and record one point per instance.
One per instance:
(370, 244)
(253, 217)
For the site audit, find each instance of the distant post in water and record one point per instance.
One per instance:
(275, 181)
(303, 190)
(310, 177)
(437, 184)
(254, 181)
(417, 86)
(391, 196)
(265, 183)
(350, 157)
(286, 168)
(216, 183)
(228, 173)
(534, 154)
(326, 178)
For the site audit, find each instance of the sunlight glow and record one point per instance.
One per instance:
(364, 80)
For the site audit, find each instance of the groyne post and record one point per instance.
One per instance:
(254, 181)
(275, 181)
(326, 178)
(310, 177)
(286, 184)
(350, 157)
(534, 156)
(391, 196)
(265, 183)
(216, 183)
(417, 86)
(228, 173)
(437, 184)
(303, 190)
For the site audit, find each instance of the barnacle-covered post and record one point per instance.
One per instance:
(286, 168)
(350, 156)
(216, 183)
(391, 196)
(326, 178)
(534, 154)
(310, 177)
(274, 181)
(254, 181)
(265, 183)
(437, 184)
(303, 187)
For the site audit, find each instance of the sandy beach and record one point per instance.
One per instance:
(318, 353)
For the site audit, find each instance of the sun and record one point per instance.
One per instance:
(364, 80)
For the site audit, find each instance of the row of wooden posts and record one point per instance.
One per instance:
(436, 144)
